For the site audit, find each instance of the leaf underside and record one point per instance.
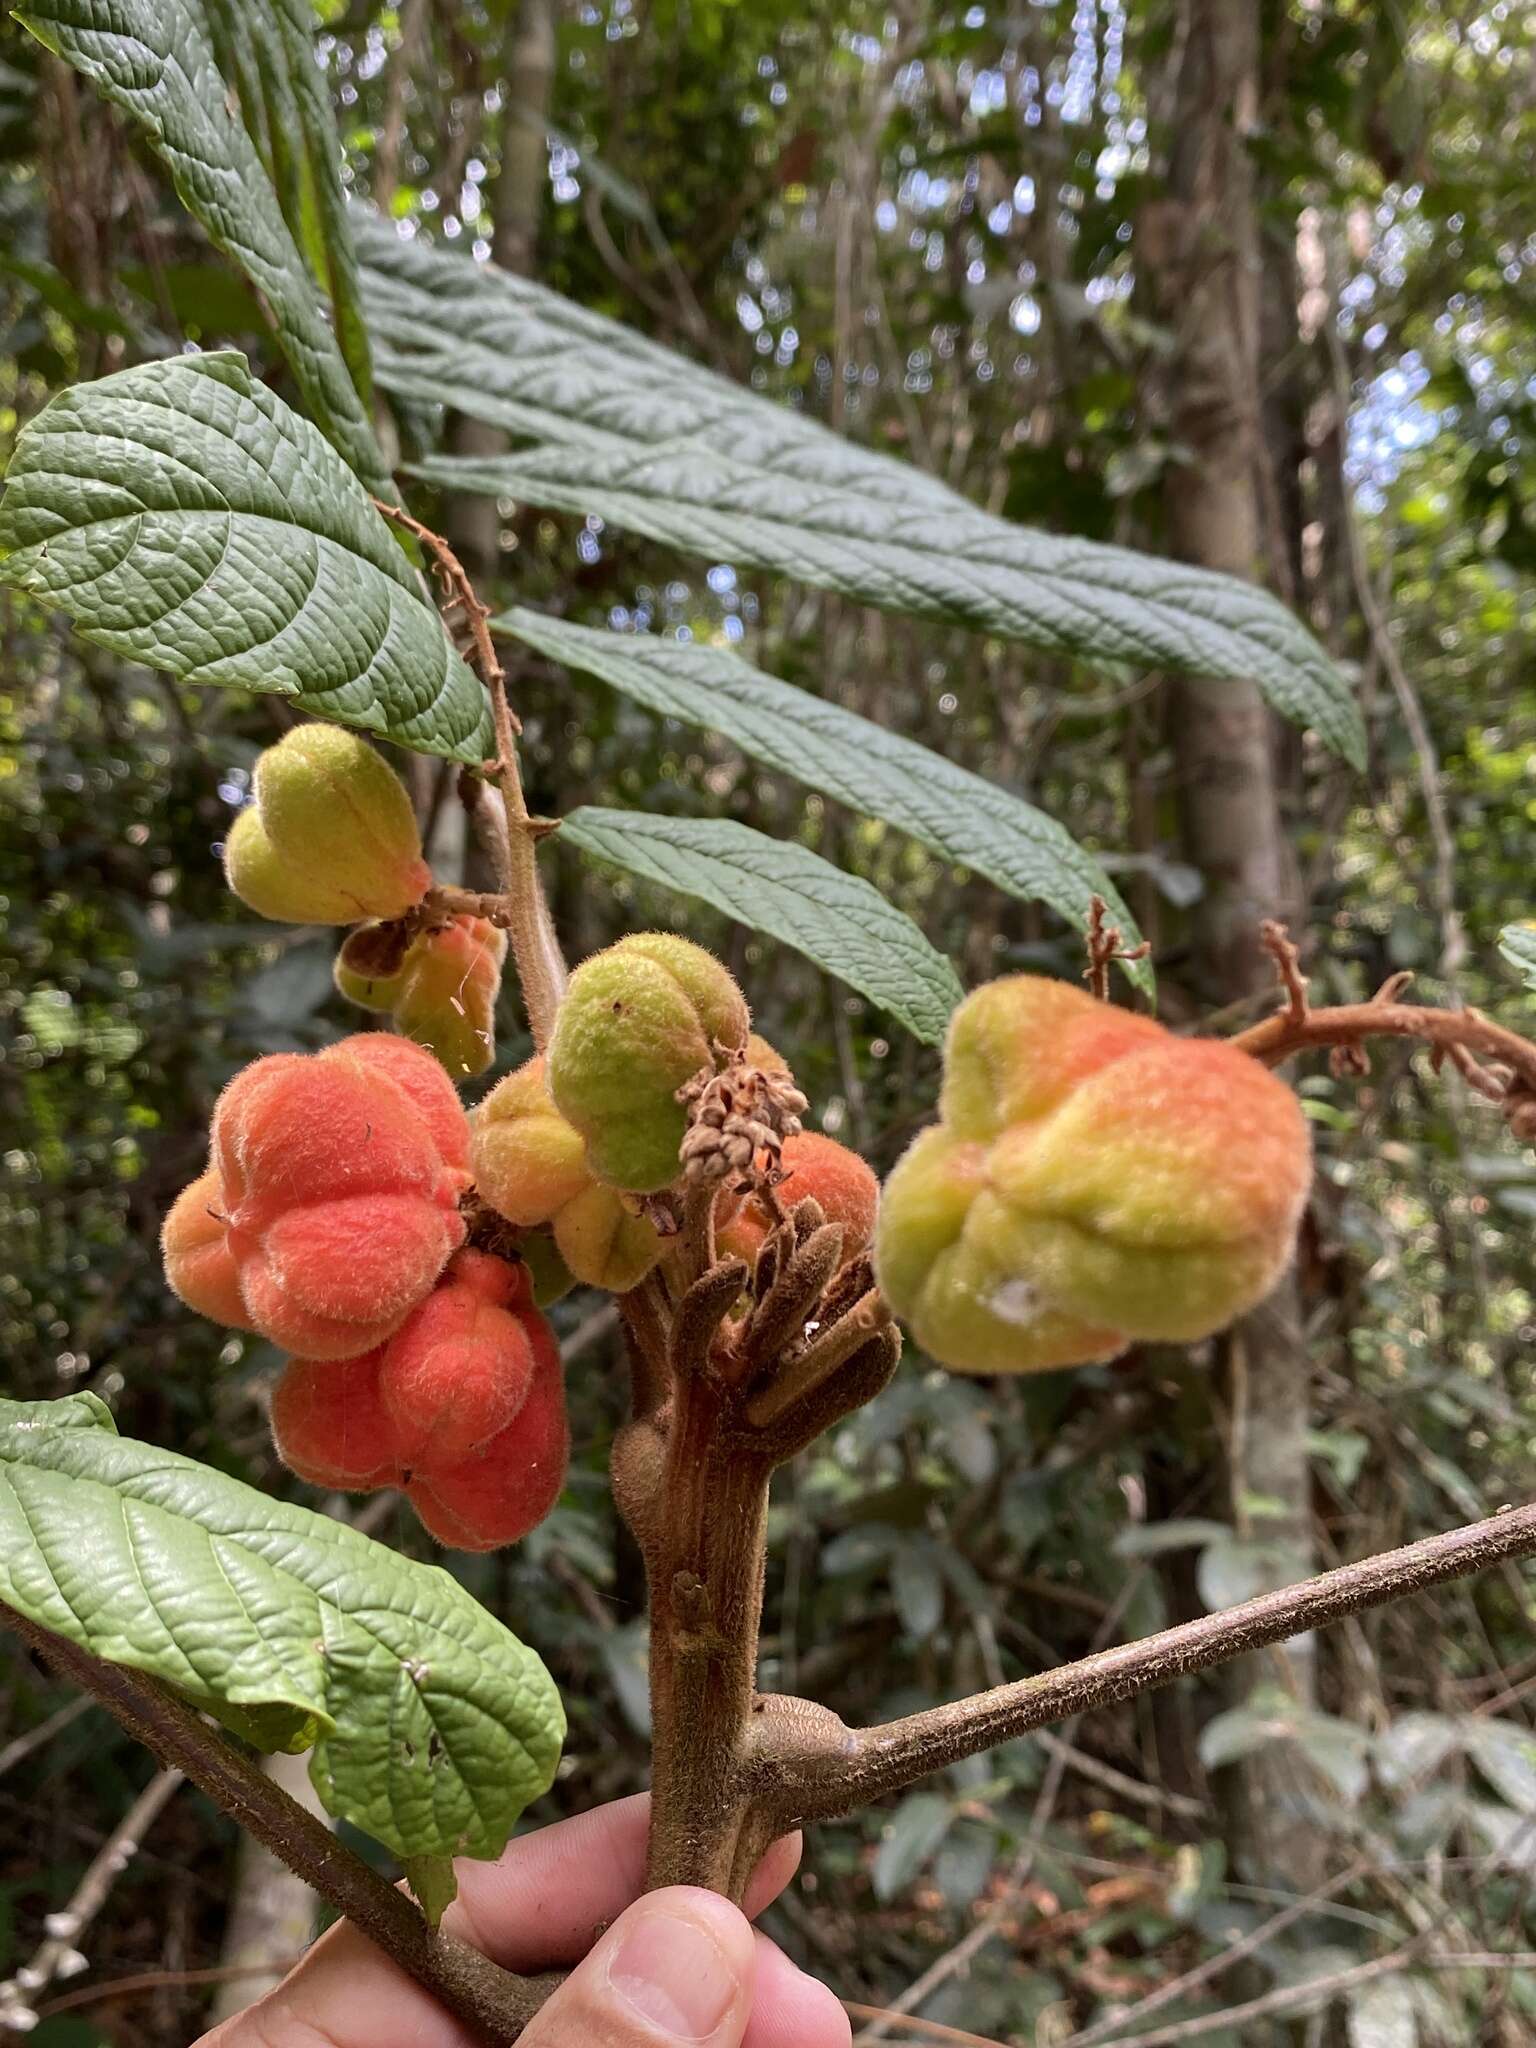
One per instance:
(610, 423)
(783, 889)
(960, 816)
(184, 517)
(432, 1725)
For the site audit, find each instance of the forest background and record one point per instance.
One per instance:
(1244, 285)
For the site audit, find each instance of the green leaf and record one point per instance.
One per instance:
(288, 116)
(610, 423)
(433, 1884)
(1505, 1753)
(184, 517)
(433, 1726)
(792, 894)
(914, 1832)
(155, 59)
(1517, 942)
(960, 816)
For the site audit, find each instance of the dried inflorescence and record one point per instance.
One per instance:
(463, 1408)
(331, 1201)
(330, 838)
(1093, 1181)
(740, 1117)
(639, 1022)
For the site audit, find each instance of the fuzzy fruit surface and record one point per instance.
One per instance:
(459, 1368)
(531, 1166)
(463, 1408)
(814, 1165)
(445, 998)
(638, 1021)
(330, 838)
(335, 1179)
(1093, 1181)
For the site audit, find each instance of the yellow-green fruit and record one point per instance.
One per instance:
(603, 1243)
(1094, 1182)
(638, 1021)
(548, 1274)
(331, 837)
(368, 969)
(446, 999)
(528, 1162)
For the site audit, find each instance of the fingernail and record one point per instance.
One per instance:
(669, 1969)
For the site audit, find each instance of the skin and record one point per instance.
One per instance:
(674, 1969)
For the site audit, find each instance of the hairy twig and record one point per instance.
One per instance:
(513, 834)
(817, 1771)
(1104, 948)
(493, 2004)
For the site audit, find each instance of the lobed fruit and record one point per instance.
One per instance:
(445, 997)
(337, 1177)
(814, 1165)
(638, 1021)
(1093, 1181)
(330, 838)
(330, 1425)
(532, 1167)
(464, 1408)
(458, 1370)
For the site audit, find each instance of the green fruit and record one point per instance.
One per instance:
(639, 1020)
(331, 837)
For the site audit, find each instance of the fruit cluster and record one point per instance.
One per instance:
(328, 1220)
(1093, 1181)
(463, 1408)
(330, 838)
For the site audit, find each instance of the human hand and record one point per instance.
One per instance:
(676, 1969)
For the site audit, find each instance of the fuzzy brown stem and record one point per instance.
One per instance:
(1288, 1032)
(705, 1553)
(512, 834)
(812, 1769)
(490, 2002)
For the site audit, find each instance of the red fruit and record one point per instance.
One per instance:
(329, 1423)
(458, 1371)
(340, 1187)
(422, 1079)
(194, 1244)
(496, 1498)
(814, 1165)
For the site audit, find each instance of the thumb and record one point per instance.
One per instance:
(674, 1971)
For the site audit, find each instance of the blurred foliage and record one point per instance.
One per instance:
(922, 226)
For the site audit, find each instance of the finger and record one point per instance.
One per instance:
(790, 2009)
(546, 1899)
(675, 1971)
(345, 1994)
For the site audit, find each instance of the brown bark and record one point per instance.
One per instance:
(517, 205)
(1203, 244)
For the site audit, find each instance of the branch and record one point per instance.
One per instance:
(807, 1770)
(513, 834)
(492, 2003)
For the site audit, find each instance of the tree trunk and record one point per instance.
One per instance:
(517, 205)
(1202, 246)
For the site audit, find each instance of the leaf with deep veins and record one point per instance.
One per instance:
(607, 422)
(183, 516)
(432, 1725)
(962, 817)
(838, 920)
